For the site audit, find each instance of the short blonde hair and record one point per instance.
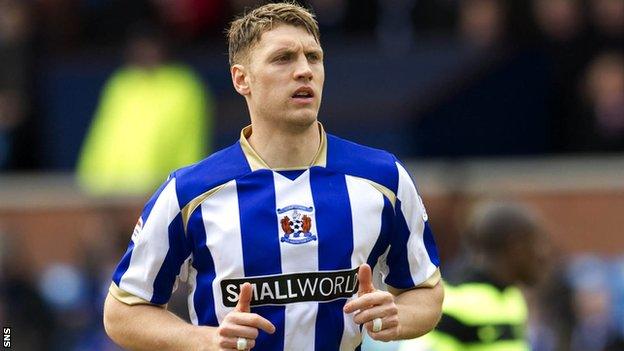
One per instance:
(246, 31)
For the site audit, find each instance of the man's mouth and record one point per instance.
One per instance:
(303, 94)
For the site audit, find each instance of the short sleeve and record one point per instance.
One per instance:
(156, 254)
(412, 260)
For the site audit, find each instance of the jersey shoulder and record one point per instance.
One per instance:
(350, 158)
(218, 168)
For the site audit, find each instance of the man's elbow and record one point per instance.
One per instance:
(427, 315)
(438, 302)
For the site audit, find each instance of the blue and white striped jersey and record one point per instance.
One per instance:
(298, 236)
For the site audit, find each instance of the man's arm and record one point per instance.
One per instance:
(152, 327)
(405, 314)
(419, 309)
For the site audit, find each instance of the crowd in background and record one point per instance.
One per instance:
(577, 45)
(581, 42)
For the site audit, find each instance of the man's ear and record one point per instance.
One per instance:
(240, 79)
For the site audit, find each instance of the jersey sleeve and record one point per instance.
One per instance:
(157, 252)
(412, 260)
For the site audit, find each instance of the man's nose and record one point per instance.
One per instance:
(303, 69)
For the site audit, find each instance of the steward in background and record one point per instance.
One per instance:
(484, 309)
(154, 116)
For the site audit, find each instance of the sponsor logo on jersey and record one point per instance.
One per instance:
(296, 224)
(289, 288)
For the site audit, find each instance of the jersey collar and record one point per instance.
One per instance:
(256, 162)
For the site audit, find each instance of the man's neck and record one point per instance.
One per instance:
(286, 147)
(497, 272)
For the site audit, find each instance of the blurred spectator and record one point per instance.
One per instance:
(100, 259)
(564, 43)
(63, 288)
(595, 328)
(194, 19)
(154, 116)
(10, 117)
(21, 306)
(482, 22)
(15, 32)
(59, 24)
(484, 309)
(75, 292)
(607, 19)
(618, 295)
(560, 20)
(551, 313)
(603, 92)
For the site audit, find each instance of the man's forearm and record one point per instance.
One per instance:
(419, 310)
(146, 327)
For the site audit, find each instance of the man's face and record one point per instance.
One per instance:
(284, 74)
(530, 258)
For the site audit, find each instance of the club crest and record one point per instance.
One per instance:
(296, 224)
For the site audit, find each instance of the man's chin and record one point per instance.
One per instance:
(302, 118)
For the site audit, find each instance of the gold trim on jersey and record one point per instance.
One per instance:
(432, 281)
(256, 162)
(126, 297)
(382, 189)
(193, 204)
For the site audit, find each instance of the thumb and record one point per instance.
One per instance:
(365, 280)
(244, 299)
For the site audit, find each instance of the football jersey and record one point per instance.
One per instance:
(297, 235)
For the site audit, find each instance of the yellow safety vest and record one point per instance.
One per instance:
(148, 123)
(477, 316)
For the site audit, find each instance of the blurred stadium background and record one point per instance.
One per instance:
(520, 100)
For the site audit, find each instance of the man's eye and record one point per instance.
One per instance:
(314, 57)
(283, 58)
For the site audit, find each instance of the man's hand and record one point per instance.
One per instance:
(240, 323)
(372, 303)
